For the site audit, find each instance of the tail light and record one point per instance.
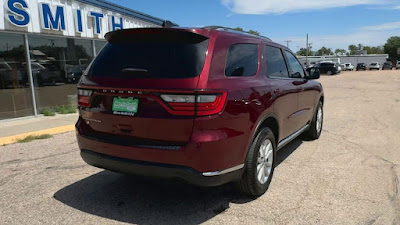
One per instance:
(200, 104)
(84, 97)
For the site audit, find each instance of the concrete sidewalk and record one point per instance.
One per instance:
(12, 130)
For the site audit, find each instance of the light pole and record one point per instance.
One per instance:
(287, 43)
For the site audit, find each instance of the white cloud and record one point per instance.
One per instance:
(284, 6)
(382, 27)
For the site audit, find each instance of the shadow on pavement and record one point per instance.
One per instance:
(150, 201)
(286, 151)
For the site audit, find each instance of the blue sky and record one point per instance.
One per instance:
(330, 23)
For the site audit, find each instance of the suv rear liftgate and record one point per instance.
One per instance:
(141, 92)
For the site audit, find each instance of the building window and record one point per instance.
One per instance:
(57, 65)
(15, 94)
(99, 45)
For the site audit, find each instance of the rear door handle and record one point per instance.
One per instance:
(299, 82)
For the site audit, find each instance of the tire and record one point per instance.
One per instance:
(329, 72)
(250, 184)
(315, 128)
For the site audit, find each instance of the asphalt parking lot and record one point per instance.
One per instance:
(349, 176)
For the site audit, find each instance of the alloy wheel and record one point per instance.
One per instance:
(319, 120)
(265, 161)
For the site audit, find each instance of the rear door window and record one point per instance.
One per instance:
(242, 60)
(296, 70)
(152, 57)
(275, 62)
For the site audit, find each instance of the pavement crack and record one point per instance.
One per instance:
(65, 167)
(18, 161)
(394, 197)
(345, 138)
(6, 179)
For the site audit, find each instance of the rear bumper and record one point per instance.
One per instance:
(159, 170)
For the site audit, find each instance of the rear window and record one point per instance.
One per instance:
(242, 60)
(154, 57)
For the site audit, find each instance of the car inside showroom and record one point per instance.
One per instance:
(60, 39)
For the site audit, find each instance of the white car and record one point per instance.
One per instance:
(340, 68)
(348, 67)
(398, 65)
(374, 66)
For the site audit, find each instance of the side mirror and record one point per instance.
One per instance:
(313, 73)
(238, 72)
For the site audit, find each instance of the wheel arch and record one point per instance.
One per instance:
(270, 121)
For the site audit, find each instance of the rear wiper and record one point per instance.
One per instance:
(134, 70)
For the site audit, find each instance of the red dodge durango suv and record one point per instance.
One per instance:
(207, 105)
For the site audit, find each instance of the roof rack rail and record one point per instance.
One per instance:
(234, 31)
(169, 24)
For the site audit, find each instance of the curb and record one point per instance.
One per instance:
(51, 131)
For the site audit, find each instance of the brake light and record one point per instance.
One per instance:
(84, 97)
(202, 104)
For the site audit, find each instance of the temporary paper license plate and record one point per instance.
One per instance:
(125, 106)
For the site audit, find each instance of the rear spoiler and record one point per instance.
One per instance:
(146, 35)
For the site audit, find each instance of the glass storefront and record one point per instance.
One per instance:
(15, 94)
(99, 45)
(45, 47)
(57, 65)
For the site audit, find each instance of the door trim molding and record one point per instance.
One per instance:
(292, 136)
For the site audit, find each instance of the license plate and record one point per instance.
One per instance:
(125, 106)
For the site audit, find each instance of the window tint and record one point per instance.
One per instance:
(152, 59)
(275, 62)
(296, 70)
(242, 60)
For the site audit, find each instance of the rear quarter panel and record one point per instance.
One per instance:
(237, 122)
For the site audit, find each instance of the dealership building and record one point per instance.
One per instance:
(353, 59)
(59, 38)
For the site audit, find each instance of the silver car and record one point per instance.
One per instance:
(374, 66)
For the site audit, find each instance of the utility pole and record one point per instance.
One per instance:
(287, 43)
(307, 52)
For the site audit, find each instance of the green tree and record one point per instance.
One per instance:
(391, 47)
(303, 52)
(340, 51)
(253, 32)
(238, 29)
(353, 49)
(373, 50)
(324, 51)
